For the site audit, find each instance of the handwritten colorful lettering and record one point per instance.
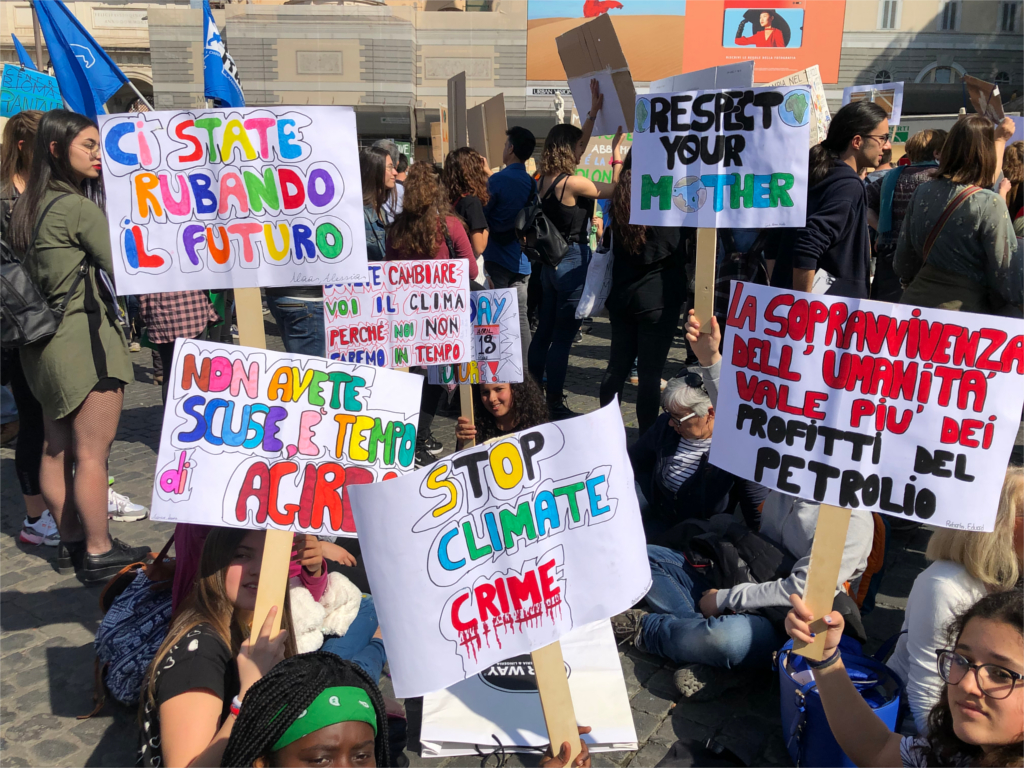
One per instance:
(497, 352)
(22, 89)
(868, 405)
(259, 439)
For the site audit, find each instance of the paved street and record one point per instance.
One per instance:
(48, 622)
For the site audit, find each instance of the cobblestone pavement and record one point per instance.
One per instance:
(48, 621)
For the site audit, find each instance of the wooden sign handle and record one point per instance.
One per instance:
(704, 278)
(555, 699)
(823, 574)
(466, 401)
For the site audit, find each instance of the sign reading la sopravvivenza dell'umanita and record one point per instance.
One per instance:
(501, 549)
(233, 198)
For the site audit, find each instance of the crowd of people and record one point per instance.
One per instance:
(221, 692)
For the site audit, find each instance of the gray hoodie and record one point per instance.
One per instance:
(790, 522)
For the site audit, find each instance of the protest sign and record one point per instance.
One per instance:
(486, 124)
(596, 163)
(406, 313)
(497, 352)
(233, 198)
(889, 96)
(501, 701)
(891, 408)
(456, 109)
(27, 89)
(259, 439)
(739, 75)
(985, 98)
(591, 51)
(820, 115)
(502, 549)
(721, 158)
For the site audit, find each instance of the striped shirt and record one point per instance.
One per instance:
(684, 462)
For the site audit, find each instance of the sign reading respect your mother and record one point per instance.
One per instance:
(892, 408)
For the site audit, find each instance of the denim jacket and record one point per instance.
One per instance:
(375, 234)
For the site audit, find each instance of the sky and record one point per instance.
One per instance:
(573, 9)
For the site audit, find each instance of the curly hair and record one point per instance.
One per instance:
(1013, 170)
(464, 174)
(559, 155)
(943, 746)
(529, 409)
(415, 231)
(630, 236)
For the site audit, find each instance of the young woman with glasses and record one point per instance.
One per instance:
(979, 718)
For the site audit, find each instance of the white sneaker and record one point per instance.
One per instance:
(121, 509)
(42, 531)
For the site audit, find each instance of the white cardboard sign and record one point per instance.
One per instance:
(497, 352)
(739, 75)
(502, 549)
(721, 158)
(233, 198)
(259, 439)
(891, 408)
(889, 96)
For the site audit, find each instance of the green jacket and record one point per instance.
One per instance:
(89, 345)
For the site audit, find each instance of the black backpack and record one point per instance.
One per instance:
(539, 237)
(25, 314)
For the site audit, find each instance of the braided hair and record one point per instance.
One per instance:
(274, 702)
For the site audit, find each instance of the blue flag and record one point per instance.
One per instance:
(23, 57)
(88, 77)
(220, 74)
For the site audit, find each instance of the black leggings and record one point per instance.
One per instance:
(648, 344)
(29, 452)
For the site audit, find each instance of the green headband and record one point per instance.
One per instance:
(334, 705)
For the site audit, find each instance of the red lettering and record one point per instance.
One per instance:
(783, 299)
(277, 471)
(256, 485)
(457, 622)
(859, 410)
(485, 595)
(547, 580)
(950, 431)
(197, 151)
(522, 589)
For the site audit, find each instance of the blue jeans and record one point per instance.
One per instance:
(556, 320)
(679, 631)
(358, 644)
(301, 323)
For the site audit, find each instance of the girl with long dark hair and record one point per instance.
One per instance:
(500, 409)
(832, 252)
(378, 175)
(648, 273)
(465, 178)
(78, 375)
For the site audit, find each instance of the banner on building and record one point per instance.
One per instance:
(233, 198)
(259, 439)
(891, 408)
(501, 549)
(497, 351)
(24, 89)
(406, 313)
(721, 158)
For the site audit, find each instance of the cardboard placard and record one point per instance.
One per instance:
(985, 98)
(502, 549)
(889, 96)
(457, 135)
(487, 126)
(596, 163)
(233, 198)
(891, 408)
(811, 78)
(436, 152)
(592, 51)
(721, 158)
(497, 351)
(259, 439)
(445, 133)
(739, 75)
(24, 89)
(405, 313)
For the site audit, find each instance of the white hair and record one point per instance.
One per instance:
(678, 394)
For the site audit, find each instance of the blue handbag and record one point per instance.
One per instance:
(805, 727)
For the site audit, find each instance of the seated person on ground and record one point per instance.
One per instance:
(499, 409)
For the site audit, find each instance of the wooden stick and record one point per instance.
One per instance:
(704, 279)
(466, 401)
(555, 699)
(823, 574)
(277, 549)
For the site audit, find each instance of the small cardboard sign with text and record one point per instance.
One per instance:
(23, 89)
(502, 549)
(820, 114)
(861, 404)
(497, 352)
(406, 313)
(259, 439)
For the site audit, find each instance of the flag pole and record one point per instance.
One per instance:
(38, 37)
(144, 101)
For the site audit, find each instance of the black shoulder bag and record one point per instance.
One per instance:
(540, 239)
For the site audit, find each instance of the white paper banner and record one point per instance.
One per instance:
(502, 702)
(406, 313)
(896, 409)
(497, 352)
(721, 159)
(502, 549)
(259, 439)
(233, 198)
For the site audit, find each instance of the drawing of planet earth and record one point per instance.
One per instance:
(795, 109)
(642, 116)
(689, 194)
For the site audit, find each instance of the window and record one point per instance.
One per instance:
(883, 76)
(1008, 13)
(889, 14)
(1002, 78)
(950, 19)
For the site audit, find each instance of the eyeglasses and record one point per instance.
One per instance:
(882, 137)
(675, 421)
(995, 681)
(92, 151)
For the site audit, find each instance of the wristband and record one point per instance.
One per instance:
(816, 665)
(236, 706)
(616, 162)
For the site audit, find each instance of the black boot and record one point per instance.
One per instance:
(559, 409)
(70, 556)
(97, 568)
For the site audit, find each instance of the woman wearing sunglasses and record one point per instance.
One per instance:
(979, 720)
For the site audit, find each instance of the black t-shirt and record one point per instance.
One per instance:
(199, 660)
(471, 211)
